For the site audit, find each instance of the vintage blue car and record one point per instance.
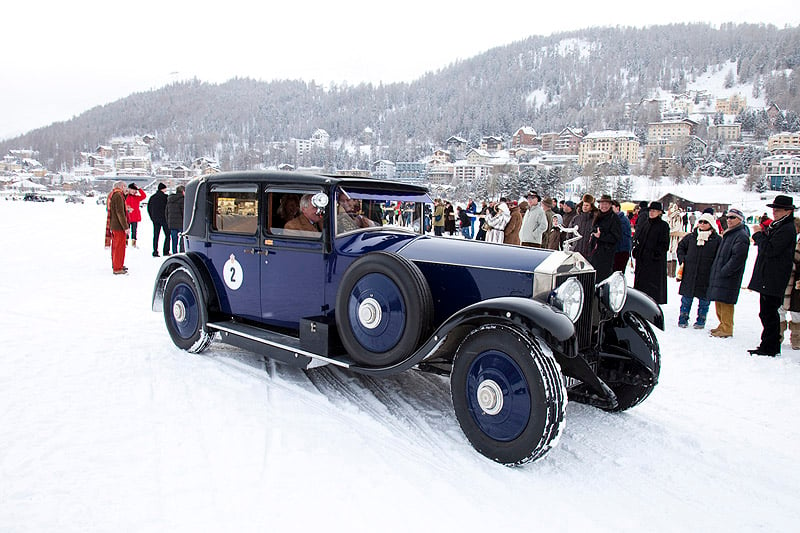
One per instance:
(312, 270)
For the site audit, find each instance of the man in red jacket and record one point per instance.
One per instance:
(117, 226)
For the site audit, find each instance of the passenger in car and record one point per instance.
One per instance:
(289, 207)
(308, 223)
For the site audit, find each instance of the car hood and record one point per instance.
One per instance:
(474, 253)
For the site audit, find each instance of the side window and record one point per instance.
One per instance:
(235, 209)
(291, 214)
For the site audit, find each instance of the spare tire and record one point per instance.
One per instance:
(384, 309)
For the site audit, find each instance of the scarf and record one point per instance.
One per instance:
(702, 237)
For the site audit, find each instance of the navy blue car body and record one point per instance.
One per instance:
(312, 270)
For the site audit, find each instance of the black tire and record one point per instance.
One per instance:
(508, 395)
(632, 395)
(384, 309)
(185, 313)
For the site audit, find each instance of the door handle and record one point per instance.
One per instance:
(254, 251)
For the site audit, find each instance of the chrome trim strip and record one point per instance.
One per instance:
(472, 266)
(277, 345)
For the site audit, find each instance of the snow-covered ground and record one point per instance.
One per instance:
(106, 426)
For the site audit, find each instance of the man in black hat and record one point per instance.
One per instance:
(772, 270)
(650, 253)
(157, 209)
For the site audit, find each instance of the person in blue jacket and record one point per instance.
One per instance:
(623, 253)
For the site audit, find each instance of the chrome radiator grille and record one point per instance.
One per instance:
(583, 327)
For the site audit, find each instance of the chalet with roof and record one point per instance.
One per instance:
(478, 156)
(441, 157)
(524, 137)
(774, 113)
(457, 146)
(492, 143)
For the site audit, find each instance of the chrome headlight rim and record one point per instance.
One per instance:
(613, 292)
(569, 298)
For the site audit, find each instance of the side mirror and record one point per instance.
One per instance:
(319, 200)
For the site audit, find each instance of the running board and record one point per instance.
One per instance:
(285, 348)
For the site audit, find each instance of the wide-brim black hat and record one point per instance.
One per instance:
(656, 205)
(782, 202)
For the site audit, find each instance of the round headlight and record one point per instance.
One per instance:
(613, 291)
(568, 298)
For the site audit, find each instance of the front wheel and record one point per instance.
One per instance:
(508, 395)
(185, 313)
(640, 337)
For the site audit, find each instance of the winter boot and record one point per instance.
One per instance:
(701, 322)
(783, 329)
(794, 335)
(133, 243)
(683, 320)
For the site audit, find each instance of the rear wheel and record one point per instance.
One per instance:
(185, 313)
(508, 395)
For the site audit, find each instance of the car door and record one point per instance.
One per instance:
(233, 248)
(292, 270)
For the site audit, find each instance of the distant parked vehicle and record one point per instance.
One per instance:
(101, 200)
(74, 199)
(32, 197)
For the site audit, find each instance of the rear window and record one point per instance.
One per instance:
(235, 209)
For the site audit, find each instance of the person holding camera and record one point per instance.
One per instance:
(606, 234)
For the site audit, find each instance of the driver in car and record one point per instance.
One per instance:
(308, 223)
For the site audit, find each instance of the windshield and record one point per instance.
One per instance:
(358, 210)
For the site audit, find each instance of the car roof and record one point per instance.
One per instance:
(301, 178)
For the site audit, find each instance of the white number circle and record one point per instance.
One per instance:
(232, 273)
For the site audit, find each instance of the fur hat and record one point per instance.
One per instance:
(707, 218)
(588, 198)
(656, 205)
(133, 186)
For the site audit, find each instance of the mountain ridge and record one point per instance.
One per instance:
(584, 78)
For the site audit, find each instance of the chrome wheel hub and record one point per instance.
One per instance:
(179, 311)
(490, 397)
(369, 313)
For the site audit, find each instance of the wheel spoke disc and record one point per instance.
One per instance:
(185, 314)
(377, 312)
(498, 396)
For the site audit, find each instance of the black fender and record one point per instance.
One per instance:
(640, 303)
(539, 318)
(192, 263)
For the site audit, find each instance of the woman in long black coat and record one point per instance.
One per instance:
(696, 253)
(650, 253)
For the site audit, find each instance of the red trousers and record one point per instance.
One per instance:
(118, 240)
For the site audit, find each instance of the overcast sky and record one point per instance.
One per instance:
(61, 58)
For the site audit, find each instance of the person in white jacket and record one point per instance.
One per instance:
(534, 224)
(497, 222)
